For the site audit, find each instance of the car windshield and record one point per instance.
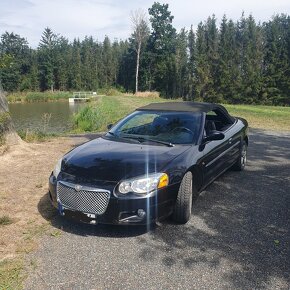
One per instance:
(161, 127)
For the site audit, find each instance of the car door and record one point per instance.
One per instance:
(217, 154)
(214, 159)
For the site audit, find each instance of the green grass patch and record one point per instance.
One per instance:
(108, 110)
(5, 220)
(35, 135)
(11, 276)
(263, 117)
(30, 97)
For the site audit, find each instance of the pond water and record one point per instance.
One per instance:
(51, 117)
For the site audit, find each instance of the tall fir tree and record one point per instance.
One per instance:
(162, 42)
(228, 76)
(191, 65)
(46, 59)
(276, 68)
(181, 63)
(202, 68)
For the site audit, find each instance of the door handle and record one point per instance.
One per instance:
(230, 140)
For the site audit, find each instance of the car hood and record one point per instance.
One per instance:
(112, 160)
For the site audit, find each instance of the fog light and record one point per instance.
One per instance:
(141, 213)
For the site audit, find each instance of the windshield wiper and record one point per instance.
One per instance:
(143, 139)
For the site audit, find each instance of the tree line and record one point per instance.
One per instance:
(232, 61)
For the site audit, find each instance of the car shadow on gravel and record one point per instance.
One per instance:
(49, 213)
(240, 223)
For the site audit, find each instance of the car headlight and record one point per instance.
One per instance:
(57, 168)
(144, 185)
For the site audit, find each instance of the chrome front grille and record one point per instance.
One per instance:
(82, 198)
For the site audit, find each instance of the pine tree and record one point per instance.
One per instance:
(161, 44)
(191, 65)
(46, 59)
(181, 59)
(228, 77)
(75, 68)
(107, 63)
(61, 63)
(276, 69)
(126, 67)
(88, 67)
(202, 69)
(211, 35)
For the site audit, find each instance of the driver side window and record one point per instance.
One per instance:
(216, 121)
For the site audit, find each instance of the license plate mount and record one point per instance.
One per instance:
(81, 216)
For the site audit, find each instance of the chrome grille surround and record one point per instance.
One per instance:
(82, 198)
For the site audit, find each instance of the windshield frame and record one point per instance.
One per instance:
(112, 133)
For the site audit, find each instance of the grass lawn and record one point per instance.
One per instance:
(11, 274)
(109, 109)
(263, 117)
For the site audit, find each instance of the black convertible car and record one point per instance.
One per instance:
(150, 165)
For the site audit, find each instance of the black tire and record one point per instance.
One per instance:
(242, 160)
(182, 209)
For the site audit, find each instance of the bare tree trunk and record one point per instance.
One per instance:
(8, 135)
(137, 66)
(140, 34)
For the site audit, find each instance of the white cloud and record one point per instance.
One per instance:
(75, 18)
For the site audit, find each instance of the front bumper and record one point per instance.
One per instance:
(124, 211)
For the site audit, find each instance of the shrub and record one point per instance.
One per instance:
(4, 123)
(111, 91)
(5, 220)
(86, 119)
(35, 136)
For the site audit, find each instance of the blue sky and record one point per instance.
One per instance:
(77, 18)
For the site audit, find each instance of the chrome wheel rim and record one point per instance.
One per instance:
(244, 156)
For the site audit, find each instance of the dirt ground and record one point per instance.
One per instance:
(24, 172)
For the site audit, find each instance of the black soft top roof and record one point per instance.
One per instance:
(189, 107)
(182, 107)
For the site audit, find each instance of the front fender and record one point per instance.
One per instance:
(187, 161)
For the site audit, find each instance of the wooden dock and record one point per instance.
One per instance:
(82, 97)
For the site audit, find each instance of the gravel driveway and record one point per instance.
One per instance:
(238, 237)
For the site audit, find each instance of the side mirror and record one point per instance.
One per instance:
(109, 126)
(214, 136)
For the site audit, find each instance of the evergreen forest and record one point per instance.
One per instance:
(228, 61)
